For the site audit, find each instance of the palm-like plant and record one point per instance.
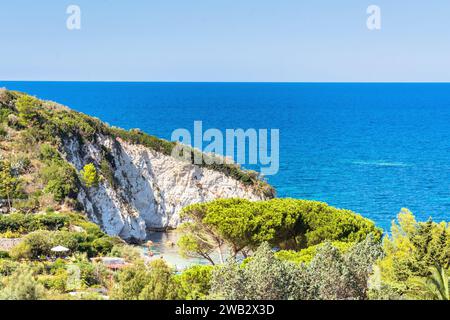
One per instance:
(435, 286)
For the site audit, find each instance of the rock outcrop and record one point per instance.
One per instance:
(148, 188)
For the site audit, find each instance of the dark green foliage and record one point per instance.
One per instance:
(107, 173)
(430, 249)
(290, 223)
(3, 132)
(138, 137)
(307, 254)
(103, 246)
(61, 180)
(332, 275)
(25, 223)
(194, 283)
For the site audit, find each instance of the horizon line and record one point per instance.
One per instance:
(249, 82)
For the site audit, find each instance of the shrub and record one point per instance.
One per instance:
(21, 285)
(57, 281)
(107, 173)
(7, 267)
(307, 255)
(412, 250)
(61, 180)
(3, 132)
(138, 282)
(129, 253)
(89, 175)
(103, 246)
(25, 223)
(263, 278)
(27, 107)
(20, 165)
(10, 186)
(34, 246)
(48, 153)
(195, 282)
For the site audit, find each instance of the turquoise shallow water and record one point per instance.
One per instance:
(371, 148)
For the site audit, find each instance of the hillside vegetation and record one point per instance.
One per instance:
(33, 169)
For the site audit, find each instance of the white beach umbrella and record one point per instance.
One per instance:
(60, 249)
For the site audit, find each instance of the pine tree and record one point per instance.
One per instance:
(89, 175)
(9, 185)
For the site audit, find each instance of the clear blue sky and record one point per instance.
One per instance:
(225, 40)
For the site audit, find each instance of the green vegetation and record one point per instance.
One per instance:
(330, 275)
(30, 270)
(412, 251)
(194, 283)
(306, 255)
(89, 175)
(242, 226)
(434, 287)
(21, 285)
(11, 185)
(26, 223)
(141, 282)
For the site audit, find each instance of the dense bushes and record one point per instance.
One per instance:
(25, 223)
(412, 251)
(141, 282)
(194, 283)
(37, 245)
(330, 275)
(263, 277)
(11, 185)
(22, 285)
(60, 178)
(44, 231)
(307, 254)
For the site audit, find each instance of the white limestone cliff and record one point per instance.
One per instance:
(150, 188)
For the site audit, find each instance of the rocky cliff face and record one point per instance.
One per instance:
(148, 189)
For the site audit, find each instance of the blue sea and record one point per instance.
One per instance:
(371, 148)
